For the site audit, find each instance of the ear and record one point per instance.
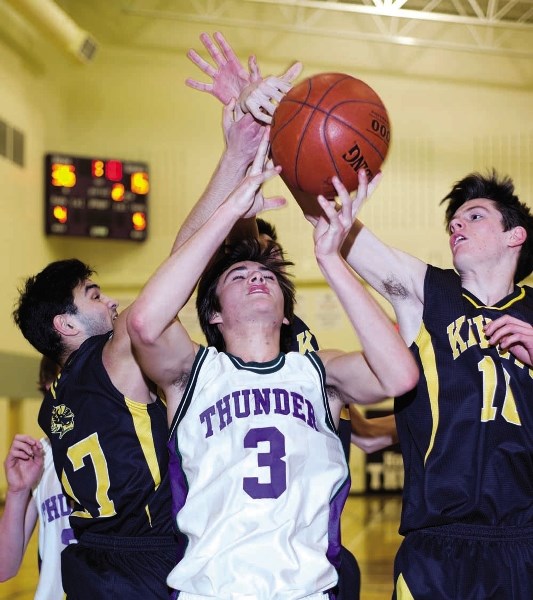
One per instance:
(517, 236)
(215, 318)
(64, 326)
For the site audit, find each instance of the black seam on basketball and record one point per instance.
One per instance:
(300, 142)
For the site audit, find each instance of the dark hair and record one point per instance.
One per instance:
(48, 370)
(45, 295)
(514, 213)
(266, 228)
(207, 302)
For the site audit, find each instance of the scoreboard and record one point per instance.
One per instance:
(96, 197)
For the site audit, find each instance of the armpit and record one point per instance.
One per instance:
(182, 381)
(394, 287)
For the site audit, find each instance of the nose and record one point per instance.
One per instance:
(256, 276)
(110, 302)
(455, 225)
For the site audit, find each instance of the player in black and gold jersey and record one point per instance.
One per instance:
(107, 426)
(466, 431)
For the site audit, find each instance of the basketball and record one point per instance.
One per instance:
(329, 124)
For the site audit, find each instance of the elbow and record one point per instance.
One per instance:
(406, 380)
(139, 328)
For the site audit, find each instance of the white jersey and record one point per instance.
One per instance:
(54, 528)
(259, 479)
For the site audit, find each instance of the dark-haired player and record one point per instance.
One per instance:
(466, 431)
(106, 424)
(258, 471)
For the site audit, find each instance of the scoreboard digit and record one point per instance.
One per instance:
(96, 197)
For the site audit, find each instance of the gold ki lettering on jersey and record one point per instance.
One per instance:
(464, 333)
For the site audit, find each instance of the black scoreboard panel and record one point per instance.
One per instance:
(96, 197)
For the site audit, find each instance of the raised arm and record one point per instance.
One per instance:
(23, 468)
(163, 346)
(396, 275)
(385, 368)
(242, 139)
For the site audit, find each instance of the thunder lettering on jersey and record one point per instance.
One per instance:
(258, 477)
(55, 532)
(243, 404)
(466, 431)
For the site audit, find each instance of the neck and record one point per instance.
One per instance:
(255, 344)
(490, 288)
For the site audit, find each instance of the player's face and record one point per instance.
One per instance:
(96, 311)
(476, 234)
(248, 289)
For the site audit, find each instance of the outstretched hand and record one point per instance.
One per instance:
(364, 190)
(229, 76)
(262, 96)
(247, 198)
(513, 335)
(24, 463)
(332, 226)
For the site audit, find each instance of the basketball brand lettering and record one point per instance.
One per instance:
(464, 333)
(354, 157)
(381, 129)
(242, 404)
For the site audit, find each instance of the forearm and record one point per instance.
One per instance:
(171, 286)
(229, 172)
(12, 533)
(373, 427)
(384, 351)
(384, 268)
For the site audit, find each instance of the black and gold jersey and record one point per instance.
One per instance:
(466, 431)
(109, 451)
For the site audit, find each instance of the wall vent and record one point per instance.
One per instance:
(12, 142)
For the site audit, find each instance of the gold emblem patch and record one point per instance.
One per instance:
(62, 420)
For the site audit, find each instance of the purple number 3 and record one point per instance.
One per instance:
(273, 460)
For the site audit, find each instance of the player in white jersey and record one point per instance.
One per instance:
(55, 532)
(35, 494)
(258, 473)
(260, 436)
(33, 497)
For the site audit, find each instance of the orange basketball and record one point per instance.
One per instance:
(330, 124)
